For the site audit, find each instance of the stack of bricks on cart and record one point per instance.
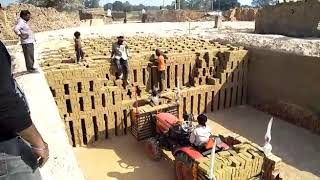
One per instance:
(244, 161)
(142, 118)
(95, 105)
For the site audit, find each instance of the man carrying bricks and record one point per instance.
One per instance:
(120, 56)
(161, 68)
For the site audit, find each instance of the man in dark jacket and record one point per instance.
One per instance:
(22, 149)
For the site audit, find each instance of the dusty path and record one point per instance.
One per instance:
(123, 158)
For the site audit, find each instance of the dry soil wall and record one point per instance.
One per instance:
(298, 19)
(282, 77)
(43, 19)
(175, 16)
(241, 14)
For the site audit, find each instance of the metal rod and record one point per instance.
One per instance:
(212, 4)
(213, 153)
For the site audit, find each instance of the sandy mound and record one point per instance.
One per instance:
(43, 19)
(175, 16)
(241, 14)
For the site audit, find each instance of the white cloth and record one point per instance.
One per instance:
(120, 51)
(143, 11)
(154, 100)
(123, 50)
(200, 135)
(22, 27)
(109, 13)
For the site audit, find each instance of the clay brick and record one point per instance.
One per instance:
(103, 76)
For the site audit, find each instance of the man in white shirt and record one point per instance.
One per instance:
(109, 13)
(144, 15)
(201, 134)
(120, 55)
(23, 30)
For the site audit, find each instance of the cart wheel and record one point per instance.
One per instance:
(183, 167)
(153, 149)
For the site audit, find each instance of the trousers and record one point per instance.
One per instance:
(79, 54)
(123, 67)
(17, 162)
(28, 52)
(161, 78)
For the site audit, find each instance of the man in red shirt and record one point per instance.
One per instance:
(161, 68)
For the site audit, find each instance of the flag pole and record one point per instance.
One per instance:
(213, 153)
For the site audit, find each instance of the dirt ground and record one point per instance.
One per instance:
(123, 158)
(298, 148)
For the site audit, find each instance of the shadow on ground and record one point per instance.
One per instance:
(296, 146)
(122, 158)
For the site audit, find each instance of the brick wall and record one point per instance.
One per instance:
(94, 105)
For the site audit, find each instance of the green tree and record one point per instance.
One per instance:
(208, 4)
(262, 3)
(91, 3)
(117, 6)
(127, 7)
(107, 6)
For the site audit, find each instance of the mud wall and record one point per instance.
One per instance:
(282, 77)
(297, 19)
(175, 16)
(95, 105)
(241, 14)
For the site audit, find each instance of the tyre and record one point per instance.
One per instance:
(153, 149)
(184, 167)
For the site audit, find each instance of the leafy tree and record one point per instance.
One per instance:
(261, 3)
(117, 6)
(91, 3)
(107, 6)
(127, 7)
(208, 4)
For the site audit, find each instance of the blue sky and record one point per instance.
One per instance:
(146, 2)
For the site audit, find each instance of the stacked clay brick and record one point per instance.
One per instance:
(142, 123)
(95, 105)
(245, 160)
(243, 163)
